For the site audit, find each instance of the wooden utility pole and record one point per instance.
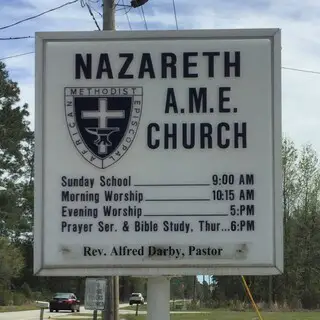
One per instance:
(116, 297)
(270, 292)
(194, 293)
(108, 15)
(111, 311)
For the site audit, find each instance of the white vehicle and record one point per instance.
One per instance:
(136, 298)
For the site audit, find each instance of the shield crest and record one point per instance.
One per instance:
(103, 121)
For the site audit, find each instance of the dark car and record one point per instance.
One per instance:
(64, 301)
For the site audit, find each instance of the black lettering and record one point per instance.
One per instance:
(111, 196)
(188, 144)
(145, 226)
(104, 66)
(246, 179)
(196, 135)
(171, 101)
(205, 136)
(196, 100)
(226, 143)
(79, 212)
(77, 197)
(250, 225)
(91, 252)
(76, 227)
(106, 227)
(146, 66)
(204, 251)
(115, 182)
(84, 66)
(245, 209)
(130, 211)
(211, 56)
(187, 64)
(63, 181)
(249, 209)
(223, 99)
(240, 135)
(241, 225)
(208, 226)
(182, 226)
(122, 73)
(87, 251)
(171, 65)
(170, 136)
(125, 251)
(247, 194)
(235, 64)
(152, 144)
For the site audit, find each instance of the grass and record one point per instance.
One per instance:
(18, 308)
(219, 315)
(142, 307)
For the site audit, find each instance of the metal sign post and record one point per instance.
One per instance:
(95, 293)
(42, 305)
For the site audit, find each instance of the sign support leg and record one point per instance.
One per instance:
(158, 301)
(108, 313)
(41, 313)
(116, 297)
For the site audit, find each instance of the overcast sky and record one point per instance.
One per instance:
(299, 21)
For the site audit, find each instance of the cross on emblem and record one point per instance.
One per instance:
(103, 131)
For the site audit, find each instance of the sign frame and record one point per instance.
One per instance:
(42, 38)
(88, 280)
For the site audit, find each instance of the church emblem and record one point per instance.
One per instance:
(103, 121)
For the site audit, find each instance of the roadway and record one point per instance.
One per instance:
(35, 314)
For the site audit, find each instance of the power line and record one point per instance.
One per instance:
(117, 4)
(96, 11)
(93, 17)
(16, 55)
(38, 15)
(82, 2)
(285, 68)
(122, 6)
(125, 8)
(127, 15)
(17, 38)
(144, 18)
(175, 13)
(301, 70)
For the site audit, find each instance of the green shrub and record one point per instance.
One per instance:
(211, 304)
(37, 295)
(26, 290)
(237, 305)
(19, 299)
(193, 306)
(46, 295)
(6, 298)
